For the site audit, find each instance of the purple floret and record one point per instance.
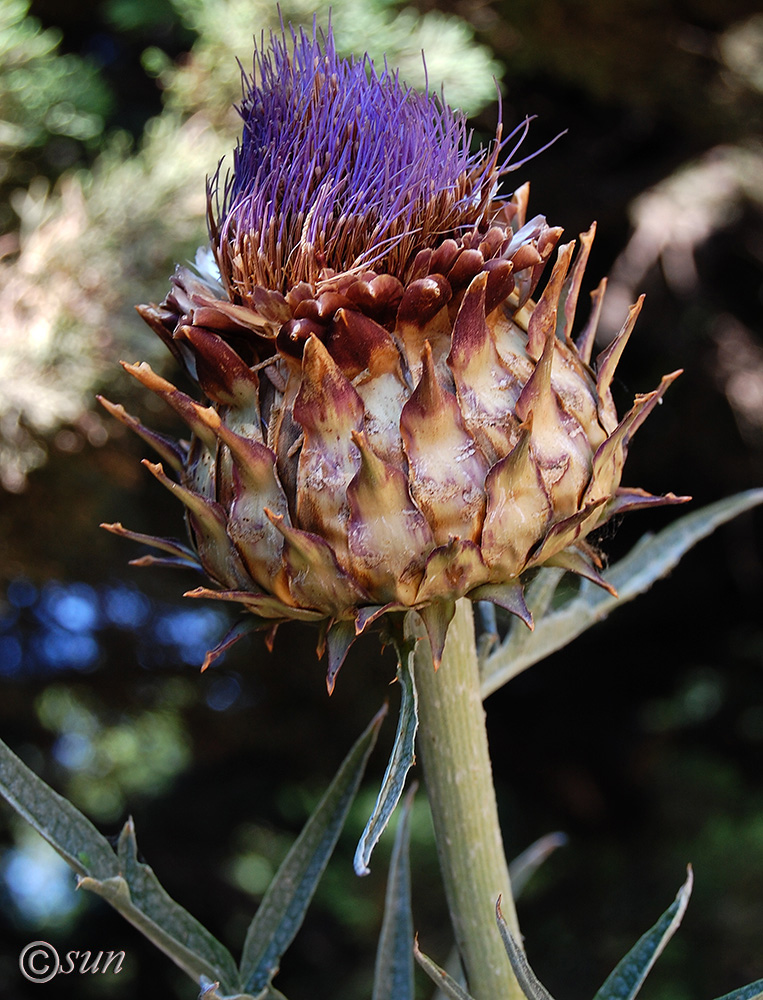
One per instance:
(339, 165)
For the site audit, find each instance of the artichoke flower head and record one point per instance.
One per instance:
(389, 419)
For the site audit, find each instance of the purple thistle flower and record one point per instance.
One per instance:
(343, 167)
(390, 420)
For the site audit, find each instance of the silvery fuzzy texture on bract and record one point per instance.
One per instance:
(390, 420)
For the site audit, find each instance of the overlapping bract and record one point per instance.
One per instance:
(388, 424)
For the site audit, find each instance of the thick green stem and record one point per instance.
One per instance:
(454, 752)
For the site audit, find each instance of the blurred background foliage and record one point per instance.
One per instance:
(643, 740)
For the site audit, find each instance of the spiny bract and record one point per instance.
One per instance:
(390, 420)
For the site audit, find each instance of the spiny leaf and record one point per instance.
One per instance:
(64, 827)
(130, 886)
(627, 978)
(649, 560)
(288, 896)
(440, 977)
(524, 866)
(393, 979)
(117, 892)
(148, 896)
(531, 986)
(400, 762)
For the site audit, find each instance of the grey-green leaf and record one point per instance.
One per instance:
(649, 560)
(752, 992)
(288, 896)
(531, 986)
(117, 892)
(64, 827)
(130, 886)
(148, 896)
(445, 983)
(393, 979)
(400, 762)
(524, 866)
(628, 976)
